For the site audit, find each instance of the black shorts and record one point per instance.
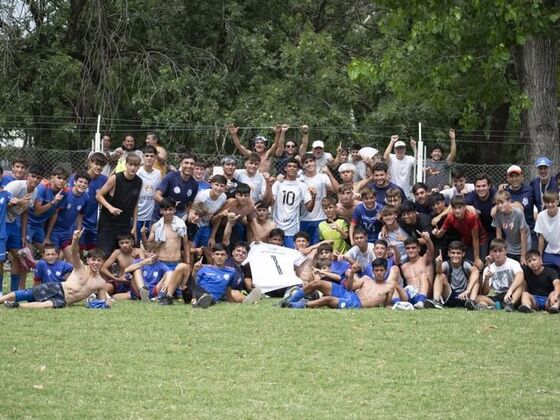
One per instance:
(498, 297)
(50, 291)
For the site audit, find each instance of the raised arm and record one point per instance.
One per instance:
(39, 208)
(304, 140)
(453, 150)
(387, 153)
(75, 250)
(235, 137)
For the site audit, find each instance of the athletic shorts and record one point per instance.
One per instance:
(172, 265)
(61, 239)
(3, 253)
(452, 301)
(35, 234)
(88, 240)
(347, 299)
(413, 294)
(540, 301)
(50, 291)
(119, 287)
(498, 297)
(202, 236)
(13, 230)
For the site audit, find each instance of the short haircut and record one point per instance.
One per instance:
(308, 156)
(149, 149)
(411, 240)
(167, 203)
(457, 173)
(407, 206)
(436, 198)
(36, 169)
(345, 187)
(550, 197)
(125, 237)
(393, 192)
(436, 146)
(359, 231)
(242, 189)
(356, 146)
(380, 166)
(154, 135)
(322, 263)
(502, 195)
(261, 205)
(419, 186)
(387, 210)
(532, 253)
(98, 158)
(82, 174)
(187, 155)
(457, 245)
(497, 244)
(21, 160)
(458, 201)
(253, 157)
(199, 208)
(292, 160)
(219, 179)
(48, 246)
(303, 235)
(324, 247)
(379, 262)
(95, 253)
(219, 247)
(481, 176)
(133, 159)
(381, 242)
(152, 246)
(329, 200)
(277, 232)
(128, 135)
(242, 244)
(60, 171)
(368, 191)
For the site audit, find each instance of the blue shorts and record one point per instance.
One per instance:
(540, 301)
(61, 239)
(13, 230)
(312, 229)
(35, 234)
(347, 299)
(289, 242)
(202, 236)
(88, 240)
(173, 265)
(3, 254)
(452, 301)
(413, 294)
(139, 225)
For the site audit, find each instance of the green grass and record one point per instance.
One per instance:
(148, 361)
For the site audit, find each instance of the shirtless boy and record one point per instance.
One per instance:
(417, 271)
(261, 225)
(82, 282)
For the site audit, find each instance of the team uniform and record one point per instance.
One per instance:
(368, 219)
(67, 211)
(43, 292)
(502, 278)
(146, 202)
(288, 196)
(5, 197)
(51, 273)
(539, 189)
(152, 275)
(483, 209)
(175, 187)
(326, 232)
(347, 299)
(214, 280)
(89, 222)
(36, 223)
(381, 192)
(310, 221)
(18, 189)
(540, 285)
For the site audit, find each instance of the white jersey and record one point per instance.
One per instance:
(320, 182)
(272, 266)
(503, 275)
(401, 172)
(146, 202)
(18, 188)
(549, 228)
(212, 205)
(256, 182)
(288, 196)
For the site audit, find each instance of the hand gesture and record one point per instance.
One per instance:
(25, 200)
(58, 197)
(198, 264)
(77, 234)
(285, 127)
(439, 258)
(278, 128)
(304, 129)
(452, 134)
(115, 211)
(144, 230)
(412, 143)
(394, 138)
(232, 129)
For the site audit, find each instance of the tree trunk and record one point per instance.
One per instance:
(538, 61)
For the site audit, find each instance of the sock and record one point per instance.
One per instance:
(298, 295)
(395, 300)
(299, 305)
(421, 297)
(1, 283)
(14, 282)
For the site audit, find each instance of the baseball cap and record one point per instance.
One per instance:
(347, 167)
(228, 159)
(400, 143)
(514, 169)
(543, 161)
(318, 143)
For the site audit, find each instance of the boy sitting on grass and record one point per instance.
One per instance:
(542, 286)
(82, 282)
(50, 268)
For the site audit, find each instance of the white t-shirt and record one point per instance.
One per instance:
(401, 171)
(320, 182)
(288, 195)
(449, 193)
(549, 228)
(503, 275)
(272, 266)
(18, 188)
(256, 182)
(319, 163)
(362, 258)
(360, 170)
(212, 205)
(146, 203)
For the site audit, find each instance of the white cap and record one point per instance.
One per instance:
(318, 143)
(400, 143)
(514, 169)
(347, 166)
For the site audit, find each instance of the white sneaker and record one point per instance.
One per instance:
(403, 306)
(419, 305)
(254, 296)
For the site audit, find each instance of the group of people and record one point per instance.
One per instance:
(351, 230)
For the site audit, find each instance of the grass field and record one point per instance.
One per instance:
(148, 361)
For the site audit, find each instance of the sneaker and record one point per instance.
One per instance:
(11, 304)
(254, 296)
(203, 301)
(166, 300)
(419, 305)
(553, 310)
(403, 306)
(285, 302)
(145, 295)
(483, 307)
(470, 305)
(525, 309)
(299, 305)
(432, 304)
(508, 307)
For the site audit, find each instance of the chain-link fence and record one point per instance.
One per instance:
(75, 159)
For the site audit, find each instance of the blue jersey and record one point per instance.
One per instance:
(5, 180)
(483, 208)
(526, 197)
(215, 280)
(69, 209)
(381, 192)
(92, 206)
(340, 267)
(45, 194)
(153, 273)
(52, 273)
(175, 187)
(5, 197)
(203, 185)
(368, 220)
